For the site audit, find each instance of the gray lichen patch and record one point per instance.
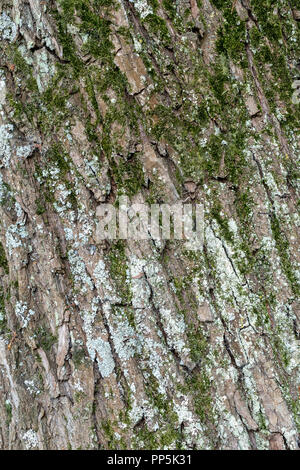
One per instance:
(44, 68)
(6, 135)
(8, 29)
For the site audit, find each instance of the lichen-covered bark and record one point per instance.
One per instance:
(145, 345)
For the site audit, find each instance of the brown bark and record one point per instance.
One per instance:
(138, 344)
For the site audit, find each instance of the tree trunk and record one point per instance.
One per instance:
(128, 344)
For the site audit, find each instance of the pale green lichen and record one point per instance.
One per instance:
(8, 29)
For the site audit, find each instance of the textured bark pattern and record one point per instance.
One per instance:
(142, 345)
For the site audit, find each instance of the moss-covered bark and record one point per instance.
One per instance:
(140, 345)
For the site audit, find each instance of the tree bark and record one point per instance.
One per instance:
(131, 344)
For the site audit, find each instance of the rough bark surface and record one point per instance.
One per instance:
(146, 345)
